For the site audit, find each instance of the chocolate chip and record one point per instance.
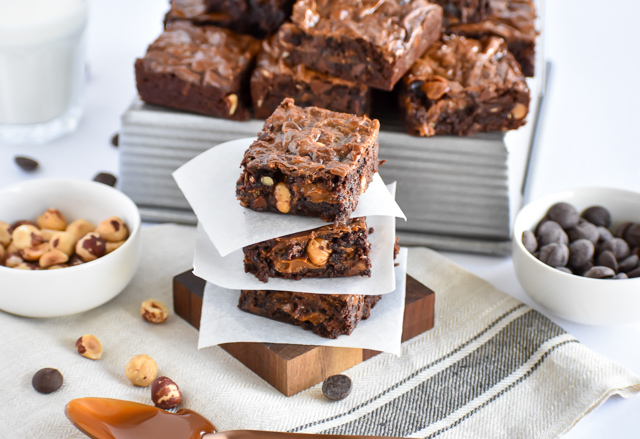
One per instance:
(551, 231)
(622, 229)
(580, 252)
(584, 230)
(617, 246)
(370, 230)
(337, 387)
(582, 270)
(605, 234)
(26, 163)
(47, 380)
(634, 273)
(555, 254)
(115, 140)
(106, 178)
(599, 272)
(597, 215)
(564, 214)
(564, 270)
(632, 235)
(607, 259)
(529, 241)
(628, 263)
(620, 276)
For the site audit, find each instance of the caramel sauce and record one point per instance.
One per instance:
(102, 418)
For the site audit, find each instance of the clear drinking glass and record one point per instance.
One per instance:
(41, 68)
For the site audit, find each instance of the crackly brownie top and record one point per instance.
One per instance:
(509, 19)
(196, 11)
(352, 225)
(271, 62)
(302, 141)
(456, 63)
(205, 55)
(392, 25)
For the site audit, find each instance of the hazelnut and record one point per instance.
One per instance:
(318, 251)
(52, 219)
(25, 236)
(57, 266)
(363, 184)
(5, 236)
(90, 247)
(89, 346)
(64, 242)
(165, 393)
(11, 248)
(283, 197)
(267, 181)
(23, 222)
(3, 252)
(436, 89)
(13, 259)
(519, 111)
(154, 311)
(53, 257)
(233, 104)
(111, 246)
(141, 370)
(26, 266)
(112, 229)
(75, 260)
(34, 253)
(80, 227)
(48, 233)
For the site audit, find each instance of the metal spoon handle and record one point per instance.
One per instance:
(255, 434)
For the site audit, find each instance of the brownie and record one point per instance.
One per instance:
(195, 11)
(365, 41)
(463, 86)
(327, 315)
(267, 15)
(273, 80)
(201, 69)
(309, 161)
(513, 20)
(464, 11)
(329, 251)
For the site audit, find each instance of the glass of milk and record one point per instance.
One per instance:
(41, 68)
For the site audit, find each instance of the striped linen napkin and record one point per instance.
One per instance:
(491, 367)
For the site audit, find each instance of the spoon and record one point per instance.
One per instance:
(103, 418)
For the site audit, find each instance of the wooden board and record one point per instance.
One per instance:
(293, 368)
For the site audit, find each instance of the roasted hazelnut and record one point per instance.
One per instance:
(26, 236)
(63, 241)
(111, 246)
(5, 236)
(23, 222)
(363, 184)
(165, 393)
(75, 260)
(34, 253)
(266, 180)
(26, 266)
(13, 259)
(80, 227)
(318, 251)
(52, 219)
(48, 233)
(90, 247)
(3, 252)
(89, 346)
(57, 266)
(53, 257)
(11, 248)
(233, 104)
(283, 197)
(519, 111)
(141, 370)
(112, 229)
(154, 311)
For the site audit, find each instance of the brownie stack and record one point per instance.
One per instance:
(311, 162)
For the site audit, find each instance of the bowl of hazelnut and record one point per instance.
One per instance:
(66, 246)
(577, 253)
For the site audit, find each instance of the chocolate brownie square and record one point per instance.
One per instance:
(463, 86)
(327, 315)
(309, 161)
(331, 251)
(365, 41)
(268, 15)
(513, 20)
(201, 69)
(273, 80)
(464, 11)
(195, 11)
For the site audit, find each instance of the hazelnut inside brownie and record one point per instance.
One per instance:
(331, 251)
(463, 86)
(309, 161)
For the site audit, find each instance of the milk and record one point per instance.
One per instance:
(41, 62)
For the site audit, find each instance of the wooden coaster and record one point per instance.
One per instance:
(293, 368)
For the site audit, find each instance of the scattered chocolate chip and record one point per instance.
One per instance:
(607, 259)
(617, 246)
(597, 215)
(580, 252)
(564, 214)
(115, 140)
(584, 230)
(599, 272)
(529, 241)
(337, 387)
(106, 178)
(555, 254)
(26, 163)
(550, 231)
(370, 230)
(47, 380)
(628, 263)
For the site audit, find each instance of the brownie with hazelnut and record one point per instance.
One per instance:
(331, 251)
(309, 161)
(200, 69)
(463, 86)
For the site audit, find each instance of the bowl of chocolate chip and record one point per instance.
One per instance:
(66, 246)
(577, 254)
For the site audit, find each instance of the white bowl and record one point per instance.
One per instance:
(575, 298)
(53, 293)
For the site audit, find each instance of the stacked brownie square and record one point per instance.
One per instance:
(310, 162)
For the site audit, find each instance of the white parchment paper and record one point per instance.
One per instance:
(208, 182)
(223, 322)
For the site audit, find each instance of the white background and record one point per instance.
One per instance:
(588, 137)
